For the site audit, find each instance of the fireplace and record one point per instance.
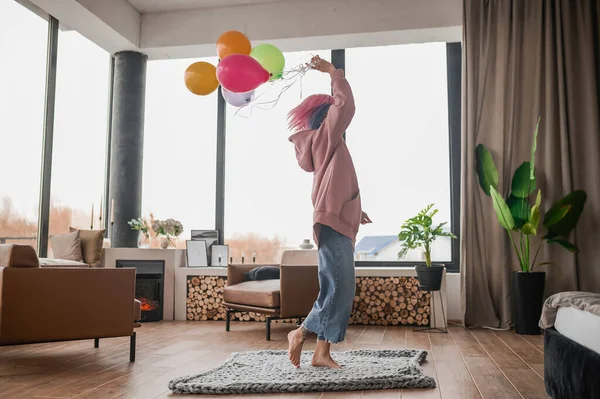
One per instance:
(149, 286)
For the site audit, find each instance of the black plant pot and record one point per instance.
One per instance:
(430, 277)
(528, 299)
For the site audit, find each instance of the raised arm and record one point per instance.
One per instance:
(341, 112)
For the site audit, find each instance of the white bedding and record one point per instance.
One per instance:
(580, 326)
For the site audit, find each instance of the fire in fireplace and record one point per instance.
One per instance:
(149, 286)
(148, 304)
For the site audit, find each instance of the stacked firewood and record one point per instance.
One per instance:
(378, 301)
(205, 300)
(390, 301)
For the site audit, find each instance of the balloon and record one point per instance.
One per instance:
(238, 99)
(233, 42)
(271, 58)
(241, 73)
(201, 78)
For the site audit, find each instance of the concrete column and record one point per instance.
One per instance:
(127, 145)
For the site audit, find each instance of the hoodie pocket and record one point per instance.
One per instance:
(351, 212)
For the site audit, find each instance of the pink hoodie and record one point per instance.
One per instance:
(335, 194)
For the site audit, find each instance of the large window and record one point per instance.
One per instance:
(80, 128)
(23, 40)
(399, 142)
(267, 196)
(180, 134)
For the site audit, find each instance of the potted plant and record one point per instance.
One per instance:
(141, 225)
(419, 232)
(521, 219)
(166, 229)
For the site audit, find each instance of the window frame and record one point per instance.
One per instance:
(454, 84)
(338, 58)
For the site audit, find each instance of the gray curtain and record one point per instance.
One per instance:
(525, 59)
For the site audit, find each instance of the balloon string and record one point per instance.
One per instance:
(292, 76)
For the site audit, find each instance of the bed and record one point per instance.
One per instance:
(572, 345)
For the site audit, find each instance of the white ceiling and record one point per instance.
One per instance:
(165, 29)
(149, 6)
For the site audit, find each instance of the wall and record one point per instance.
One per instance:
(454, 297)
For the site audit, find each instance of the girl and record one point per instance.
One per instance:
(319, 123)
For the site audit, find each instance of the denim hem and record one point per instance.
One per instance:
(322, 336)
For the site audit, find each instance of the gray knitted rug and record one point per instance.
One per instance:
(271, 372)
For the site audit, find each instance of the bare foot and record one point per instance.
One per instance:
(320, 360)
(296, 341)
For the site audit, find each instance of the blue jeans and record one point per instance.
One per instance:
(331, 312)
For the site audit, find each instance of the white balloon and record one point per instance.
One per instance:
(237, 99)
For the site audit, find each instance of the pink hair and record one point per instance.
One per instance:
(299, 117)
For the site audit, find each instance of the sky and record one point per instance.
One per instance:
(398, 138)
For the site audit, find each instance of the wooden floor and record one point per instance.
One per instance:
(464, 363)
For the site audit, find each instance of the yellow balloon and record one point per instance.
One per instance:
(201, 78)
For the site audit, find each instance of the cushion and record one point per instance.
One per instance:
(15, 255)
(302, 257)
(254, 293)
(263, 273)
(67, 246)
(137, 310)
(48, 262)
(91, 245)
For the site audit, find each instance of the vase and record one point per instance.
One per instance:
(528, 299)
(430, 277)
(306, 244)
(143, 240)
(164, 242)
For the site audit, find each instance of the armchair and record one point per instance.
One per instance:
(62, 304)
(291, 296)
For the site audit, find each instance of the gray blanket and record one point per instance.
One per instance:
(587, 301)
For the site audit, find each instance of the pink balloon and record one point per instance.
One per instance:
(240, 73)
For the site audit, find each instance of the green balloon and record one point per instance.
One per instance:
(271, 58)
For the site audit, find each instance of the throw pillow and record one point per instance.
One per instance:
(15, 255)
(91, 245)
(263, 273)
(67, 246)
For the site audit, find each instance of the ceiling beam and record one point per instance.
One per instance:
(112, 24)
(303, 25)
(292, 25)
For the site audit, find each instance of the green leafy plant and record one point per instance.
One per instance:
(141, 225)
(519, 217)
(419, 232)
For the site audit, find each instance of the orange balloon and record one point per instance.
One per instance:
(233, 42)
(201, 78)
